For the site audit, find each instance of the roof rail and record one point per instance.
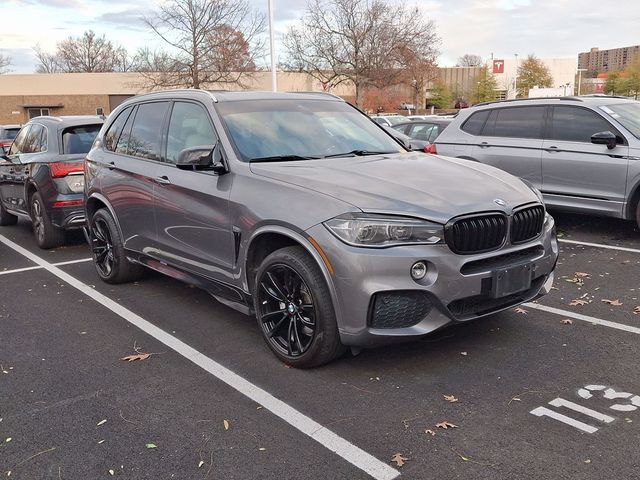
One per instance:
(568, 99)
(329, 94)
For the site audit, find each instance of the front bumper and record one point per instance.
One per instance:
(456, 286)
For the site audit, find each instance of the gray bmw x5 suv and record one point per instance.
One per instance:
(301, 210)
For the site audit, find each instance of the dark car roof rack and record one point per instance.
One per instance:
(567, 99)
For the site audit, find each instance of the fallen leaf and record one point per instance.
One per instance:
(587, 461)
(430, 432)
(521, 310)
(101, 422)
(8, 440)
(463, 353)
(139, 356)
(446, 425)
(615, 303)
(450, 398)
(636, 311)
(151, 445)
(226, 424)
(399, 459)
(581, 274)
(577, 302)
(200, 464)
(566, 321)
(112, 473)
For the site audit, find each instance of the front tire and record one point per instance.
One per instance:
(108, 252)
(47, 234)
(294, 309)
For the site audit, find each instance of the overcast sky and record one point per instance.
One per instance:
(547, 28)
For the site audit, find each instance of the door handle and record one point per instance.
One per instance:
(163, 180)
(111, 165)
(484, 145)
(552, 149)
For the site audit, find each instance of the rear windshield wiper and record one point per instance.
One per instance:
(357, 153)
(282, 158)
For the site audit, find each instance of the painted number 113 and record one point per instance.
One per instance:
(632, 402)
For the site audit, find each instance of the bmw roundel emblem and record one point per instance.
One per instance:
(500, 202)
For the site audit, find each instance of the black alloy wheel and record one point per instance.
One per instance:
(47, 234)
(109, 255)
(287, 313)
(102, 248)
(295, 310)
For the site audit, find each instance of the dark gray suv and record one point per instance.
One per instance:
(582, 153)
(301, 210)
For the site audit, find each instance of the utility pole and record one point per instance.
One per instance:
(515, 80)
(274, 73)
(580, 70)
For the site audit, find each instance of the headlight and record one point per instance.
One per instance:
(367, 230)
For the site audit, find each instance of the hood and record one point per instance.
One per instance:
(414, 184)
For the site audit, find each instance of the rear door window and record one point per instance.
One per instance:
(36, 140)
(145, 140)
(475, 122)
(18, 143)
(574, 124)
(516, 122)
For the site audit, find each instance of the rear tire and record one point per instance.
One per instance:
(294, 309)
(47, 234)
(6, 218)
(107, 249)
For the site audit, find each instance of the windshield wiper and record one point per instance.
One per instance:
(282, 158)
(357, 153)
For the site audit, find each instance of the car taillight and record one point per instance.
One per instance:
(430, 148)
(62, 169)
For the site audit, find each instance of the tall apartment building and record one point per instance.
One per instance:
(611, 60)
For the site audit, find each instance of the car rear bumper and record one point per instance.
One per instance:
(67, 211)
(379, 301)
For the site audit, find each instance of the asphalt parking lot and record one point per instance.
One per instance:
(211, 401)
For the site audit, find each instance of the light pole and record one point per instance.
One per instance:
(274, 73)
(515, 81)
(580, 70)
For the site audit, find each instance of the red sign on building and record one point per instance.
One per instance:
(498, 66)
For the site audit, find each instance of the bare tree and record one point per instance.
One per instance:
(215, 41)
(5, 61)
(88, 53)
(366, 42)
(470, 60)
(49, 62)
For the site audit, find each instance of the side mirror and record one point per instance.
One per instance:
(203, 157)
(605, 138)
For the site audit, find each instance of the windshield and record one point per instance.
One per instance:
(301, 130)
(79, 139)
(395, 120)
(627, 114)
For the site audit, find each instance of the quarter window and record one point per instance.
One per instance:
(516, 122)
(189, 127)
(475, 122)
(115, 130)
(146, 134)
(573, 124)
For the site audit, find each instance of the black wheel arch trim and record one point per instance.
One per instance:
(102, 199)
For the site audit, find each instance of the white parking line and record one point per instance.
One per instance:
(38, 267)
(584, 318)
(325, 437)
(600, 245)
